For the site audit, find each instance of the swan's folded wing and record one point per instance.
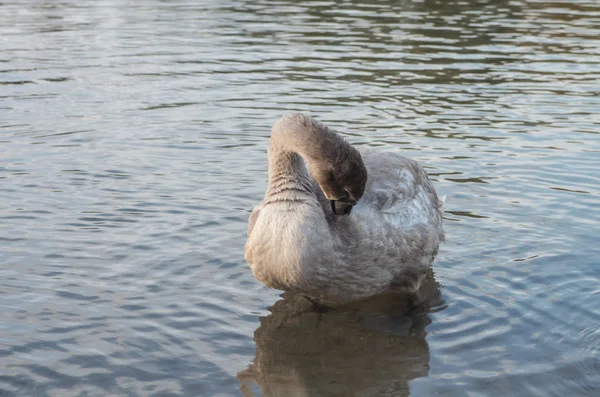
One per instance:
(252, 219)
(401, 190)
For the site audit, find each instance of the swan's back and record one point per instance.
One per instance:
(399, 188)
(393, 234)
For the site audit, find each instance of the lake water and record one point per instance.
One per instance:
(133, 140)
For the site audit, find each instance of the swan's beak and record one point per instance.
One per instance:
(342, 207)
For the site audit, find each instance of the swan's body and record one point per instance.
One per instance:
(297, 243)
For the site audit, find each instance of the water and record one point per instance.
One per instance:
(133, 141)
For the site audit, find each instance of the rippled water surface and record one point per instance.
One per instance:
(133, 141)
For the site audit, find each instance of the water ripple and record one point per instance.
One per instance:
(136, 138)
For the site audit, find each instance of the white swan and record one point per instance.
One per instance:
(338, 225)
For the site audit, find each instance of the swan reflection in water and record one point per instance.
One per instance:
(369, 349)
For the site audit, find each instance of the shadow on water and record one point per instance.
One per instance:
(374, 348)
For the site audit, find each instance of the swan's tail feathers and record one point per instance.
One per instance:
(442, 203)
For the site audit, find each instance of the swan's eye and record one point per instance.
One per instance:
(346, 196)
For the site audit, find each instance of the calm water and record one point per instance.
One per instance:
(133, 141)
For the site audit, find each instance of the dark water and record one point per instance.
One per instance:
(133, 141)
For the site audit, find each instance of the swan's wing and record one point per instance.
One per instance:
(401, 191)
(252, 219)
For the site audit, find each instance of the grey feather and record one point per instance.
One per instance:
(295, 241)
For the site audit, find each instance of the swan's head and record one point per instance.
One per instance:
(343, 182)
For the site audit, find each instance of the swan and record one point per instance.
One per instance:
(339, 225)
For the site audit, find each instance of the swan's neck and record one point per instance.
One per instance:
(289, 179)
(299, 142)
